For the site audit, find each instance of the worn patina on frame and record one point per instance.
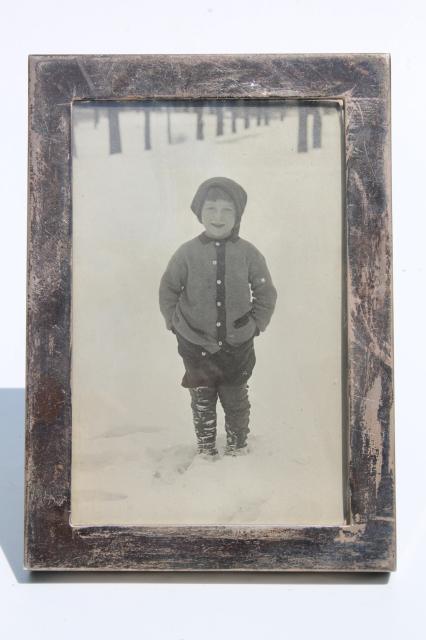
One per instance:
(367, 541)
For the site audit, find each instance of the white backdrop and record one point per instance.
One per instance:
(181, 607)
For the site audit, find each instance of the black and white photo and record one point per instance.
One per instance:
(207, 313)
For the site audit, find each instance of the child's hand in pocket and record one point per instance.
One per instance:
(242, 321)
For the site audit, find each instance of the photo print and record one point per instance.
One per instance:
(208, 350)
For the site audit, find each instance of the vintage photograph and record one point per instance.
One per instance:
(208, 351)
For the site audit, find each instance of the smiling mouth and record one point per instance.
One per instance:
(219, 226)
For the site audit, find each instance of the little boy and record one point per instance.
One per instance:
(216, 295)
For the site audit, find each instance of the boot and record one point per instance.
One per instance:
(232, 450)
(203, 405)
(236, 406)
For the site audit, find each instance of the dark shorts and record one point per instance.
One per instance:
(230, 365)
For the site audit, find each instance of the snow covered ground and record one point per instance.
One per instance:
(133, 441)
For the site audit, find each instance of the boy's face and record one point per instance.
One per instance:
(218, 218)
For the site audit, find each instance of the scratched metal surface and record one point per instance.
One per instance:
(367, 542)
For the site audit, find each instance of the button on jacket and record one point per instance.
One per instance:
(217, 291)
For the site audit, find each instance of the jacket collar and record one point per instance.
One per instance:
(204, 238)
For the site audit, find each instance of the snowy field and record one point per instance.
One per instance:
(133, 441)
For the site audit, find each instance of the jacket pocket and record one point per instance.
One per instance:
(242, 320)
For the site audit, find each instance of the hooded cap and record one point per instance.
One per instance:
(236, 192)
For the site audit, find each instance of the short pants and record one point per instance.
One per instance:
(231, 365)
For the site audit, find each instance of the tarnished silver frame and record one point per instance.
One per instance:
(367, 541)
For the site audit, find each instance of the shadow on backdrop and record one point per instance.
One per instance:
(12, 418)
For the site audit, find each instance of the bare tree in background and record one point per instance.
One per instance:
(169, 126)
(302, 138)
(317, 132)
(114, 131)
(219, 121)
(246, 117)
(200, 123)
(147, 129)
(233, 120)
(304, 112)
(262, 113)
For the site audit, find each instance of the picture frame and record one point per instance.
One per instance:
(366, 541)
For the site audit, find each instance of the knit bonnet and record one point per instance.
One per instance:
(232, 188)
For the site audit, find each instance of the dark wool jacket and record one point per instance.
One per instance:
(217, 291)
